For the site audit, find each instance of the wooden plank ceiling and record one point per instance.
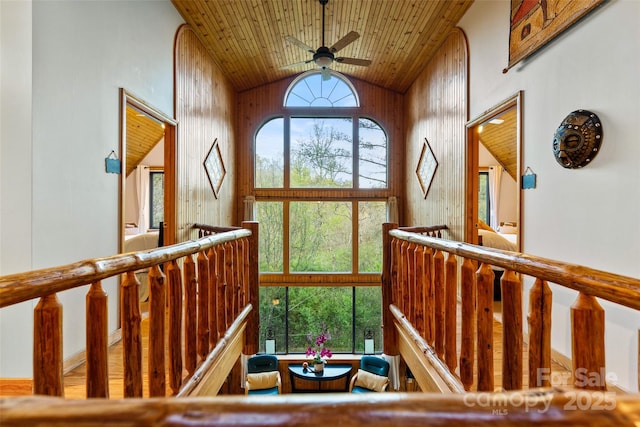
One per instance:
(499, 136)
(246, 38)
(143, 133)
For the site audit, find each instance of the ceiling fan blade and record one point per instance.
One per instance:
(343, 42)
(301, 45)
(354, 61)
(296, 64)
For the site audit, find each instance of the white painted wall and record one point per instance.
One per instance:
(587, 216)
(83, 52)
(15, 171)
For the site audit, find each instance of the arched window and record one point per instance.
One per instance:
(321, 190)
(311, 89)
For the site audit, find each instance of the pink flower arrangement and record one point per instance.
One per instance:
(317, 347)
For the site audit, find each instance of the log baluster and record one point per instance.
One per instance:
(429, 298)
(467, 343)
(484, 299)
(213, 298)
(389, 284)
(450, 312)
(157, 328)
(97, 332)
(175, 326)
(539, 320)
(420, 284)
(221, 307)
(229, 284)
(239, 276)
(203, 305)
(396, 273)
(587, 343)
(190, 316)
(47, 347)
(131, 336)
(252, 283)
(404, 276)
(438, 302)
(409, 295)
(511, 331)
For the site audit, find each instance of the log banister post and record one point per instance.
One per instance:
(450, 311)
(389, 282)
(157, 330)
(228, 284)
(467, 344)
(484, 299)
(47, 347)
(221, 307)
(429, 297)
(438, 303)
(213, 299)
(252, 334)
(512, 331)
(190, 316)
(587, 343)
(175, 326)
(421, 284)
(131, 336)
(97, 335)
(203, 305)
(540, 299)
(409, 295)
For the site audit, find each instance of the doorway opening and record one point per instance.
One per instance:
(494, 215)
(147, 188)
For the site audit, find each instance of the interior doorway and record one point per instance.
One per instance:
(494, 214)
(494, 145)
(147, 188)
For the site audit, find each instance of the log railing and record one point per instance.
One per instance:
(194, 302)
(543, 407)
(427, 288)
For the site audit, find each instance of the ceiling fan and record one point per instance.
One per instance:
(324, 56)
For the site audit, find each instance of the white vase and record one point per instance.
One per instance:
(318, 367)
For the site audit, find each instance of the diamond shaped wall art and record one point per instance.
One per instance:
(214, 166)
(427, 165)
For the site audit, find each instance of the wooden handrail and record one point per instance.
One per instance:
(216, 357)
(19, 287)
(444, 381)
(612, 287)
(543, 407)
(175, 296)
(476, 308)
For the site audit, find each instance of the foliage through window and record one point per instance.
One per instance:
(320, 185)
(289, 314)
(156, 199)
(484, 209)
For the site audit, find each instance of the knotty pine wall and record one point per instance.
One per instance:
(257, 105)
(205, 110)
(436, 109)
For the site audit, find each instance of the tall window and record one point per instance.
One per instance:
(156, 198)
(484, 206)
(321, 185)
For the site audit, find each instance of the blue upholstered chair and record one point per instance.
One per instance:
(263, 376)
(373, 375)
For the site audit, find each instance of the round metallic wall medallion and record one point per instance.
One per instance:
(578, 139)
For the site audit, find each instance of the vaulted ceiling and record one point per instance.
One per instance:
(247, 40)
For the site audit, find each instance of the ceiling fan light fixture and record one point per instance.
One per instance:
(323, 57)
